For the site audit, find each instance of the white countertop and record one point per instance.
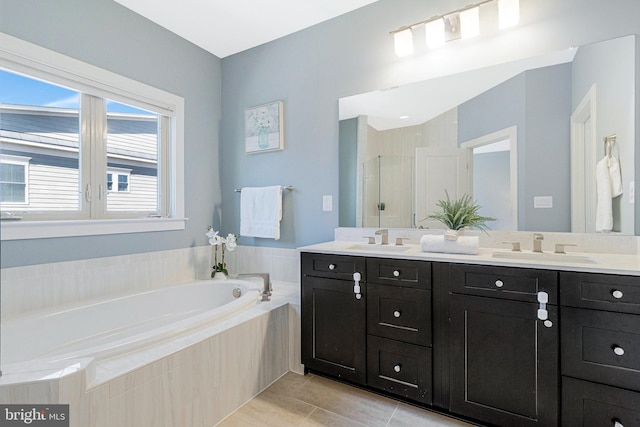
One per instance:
(604, 263)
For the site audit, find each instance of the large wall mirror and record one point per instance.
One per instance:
(522, 138)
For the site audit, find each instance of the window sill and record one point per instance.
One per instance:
(21, 230)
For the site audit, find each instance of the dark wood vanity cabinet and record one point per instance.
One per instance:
(600, 349)
(472, 339)
(503, 359)
(334, 316)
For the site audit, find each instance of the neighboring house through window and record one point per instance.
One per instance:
(14, 173)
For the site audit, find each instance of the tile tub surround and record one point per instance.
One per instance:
(264, 347)
(204, 378)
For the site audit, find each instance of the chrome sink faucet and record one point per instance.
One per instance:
(266, 289)
(384, 236)
(537, 242)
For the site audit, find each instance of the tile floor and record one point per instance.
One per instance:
(311, 400)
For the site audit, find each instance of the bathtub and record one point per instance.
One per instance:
(65, 339)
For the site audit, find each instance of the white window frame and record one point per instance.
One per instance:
(27, 58)
(24, 162)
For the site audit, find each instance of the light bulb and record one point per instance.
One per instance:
(508, 13)
(434, 31)
(470, 23)
(403, 42)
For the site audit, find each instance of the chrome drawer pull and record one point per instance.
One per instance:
(332, 267)
(499, 283)
(617, 294)
(619, 351)
(396, 273)
(396, 313)
(397, 368)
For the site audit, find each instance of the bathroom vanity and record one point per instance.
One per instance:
(500, 341)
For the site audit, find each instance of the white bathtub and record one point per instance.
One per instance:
(107, 329)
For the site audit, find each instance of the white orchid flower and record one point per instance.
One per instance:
(231, 242)
(214, 239)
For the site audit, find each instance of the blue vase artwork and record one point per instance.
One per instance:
(263, 137)
(263, 128)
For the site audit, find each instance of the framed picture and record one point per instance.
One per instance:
(263, 128)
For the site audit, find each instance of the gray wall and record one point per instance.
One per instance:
(352, 54)
(538, 102)
(107, 35)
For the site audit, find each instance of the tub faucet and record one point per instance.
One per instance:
(537, 242)
(384, 236)
(266, 288)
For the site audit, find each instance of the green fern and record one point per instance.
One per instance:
(461, 213)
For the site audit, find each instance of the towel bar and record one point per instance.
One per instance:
(288, 187)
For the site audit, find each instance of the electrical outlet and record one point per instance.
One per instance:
(543, 202)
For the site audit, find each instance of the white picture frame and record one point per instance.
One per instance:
(263, 128)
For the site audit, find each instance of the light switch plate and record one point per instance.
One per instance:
(327, 203)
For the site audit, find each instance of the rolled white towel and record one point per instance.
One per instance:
(467, 245)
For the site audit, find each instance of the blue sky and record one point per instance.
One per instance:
(16, 89)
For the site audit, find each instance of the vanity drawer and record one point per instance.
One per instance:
(400, 368)
(503, 282)
(413, 274)
(601, 346)
(586, 404)
(399, 313)
(601, 291)
(332, 266)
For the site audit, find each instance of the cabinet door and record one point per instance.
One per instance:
(504, 362)
(334, 328)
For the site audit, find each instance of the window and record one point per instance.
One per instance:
(98, 145)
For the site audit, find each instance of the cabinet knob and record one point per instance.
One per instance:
(619, 351)
(332, 266)
(397, 368)
(617, 423)
(396, 313)
(617, 294)
(396, 273)
(499, 283)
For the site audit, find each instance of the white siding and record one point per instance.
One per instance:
(142, 195)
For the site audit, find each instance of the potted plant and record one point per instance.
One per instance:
(459, 214)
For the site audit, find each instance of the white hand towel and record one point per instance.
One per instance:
(604, 209)
(615, 176)
(469, 245)
(261, 212)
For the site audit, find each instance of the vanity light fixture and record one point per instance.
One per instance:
(403, 42)
(462, 23)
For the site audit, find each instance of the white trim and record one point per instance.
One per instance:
(22, 230)
(512, 134)
(583, 152)
(21, 56)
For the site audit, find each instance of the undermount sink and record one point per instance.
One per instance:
(378, 248)
(545, 256)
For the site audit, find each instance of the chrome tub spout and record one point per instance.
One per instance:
(266, 289)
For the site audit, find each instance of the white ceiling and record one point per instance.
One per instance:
(225, 27)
